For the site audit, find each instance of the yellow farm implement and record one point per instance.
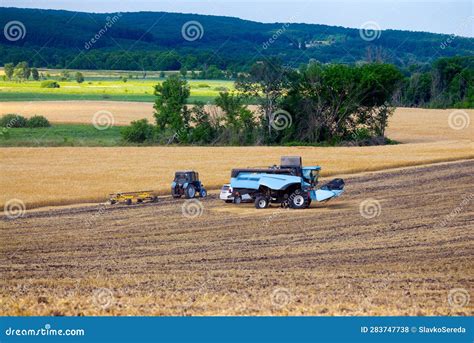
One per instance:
(132, 197)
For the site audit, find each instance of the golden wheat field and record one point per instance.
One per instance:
(57, 176)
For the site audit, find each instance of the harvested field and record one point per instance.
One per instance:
(59, 176)
(236, 260)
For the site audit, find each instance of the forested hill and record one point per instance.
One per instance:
(154, 41)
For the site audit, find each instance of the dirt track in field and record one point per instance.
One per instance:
(236, 260)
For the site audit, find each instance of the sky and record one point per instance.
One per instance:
(442, 16)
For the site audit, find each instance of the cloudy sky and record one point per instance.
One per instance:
(442, 16)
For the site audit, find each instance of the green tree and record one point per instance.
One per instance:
(22, 71)
(35, 74)
(266, 82)
(170, 104)
(9, 70)
(79, 77)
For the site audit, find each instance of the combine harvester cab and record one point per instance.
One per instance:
(290, 184)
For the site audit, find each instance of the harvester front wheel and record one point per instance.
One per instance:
(261, 202)
(298, 200)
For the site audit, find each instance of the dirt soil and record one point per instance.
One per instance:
(396, 243)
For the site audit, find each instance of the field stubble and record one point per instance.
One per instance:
(236, 260)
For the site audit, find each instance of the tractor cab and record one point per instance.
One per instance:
(188, 176)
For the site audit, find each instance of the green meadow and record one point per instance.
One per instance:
(105, 87)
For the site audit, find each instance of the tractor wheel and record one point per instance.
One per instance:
(154, 199)
(190, 192)
(128, 201)
(174, 194)
(298, 199)
(203, 193)
(237, 200)
(261, 202)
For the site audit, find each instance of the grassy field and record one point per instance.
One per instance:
(61, 135)
(139, 90)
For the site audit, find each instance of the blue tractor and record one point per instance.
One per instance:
(187, 183)
(290, 185)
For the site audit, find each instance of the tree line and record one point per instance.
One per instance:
(315, 104)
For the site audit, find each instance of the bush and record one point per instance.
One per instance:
(221, 89)
(38, 121)
(13, 121)
(203, 85)
(49, 84)
(138, 132)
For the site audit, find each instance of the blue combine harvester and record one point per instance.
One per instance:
(290, 185)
